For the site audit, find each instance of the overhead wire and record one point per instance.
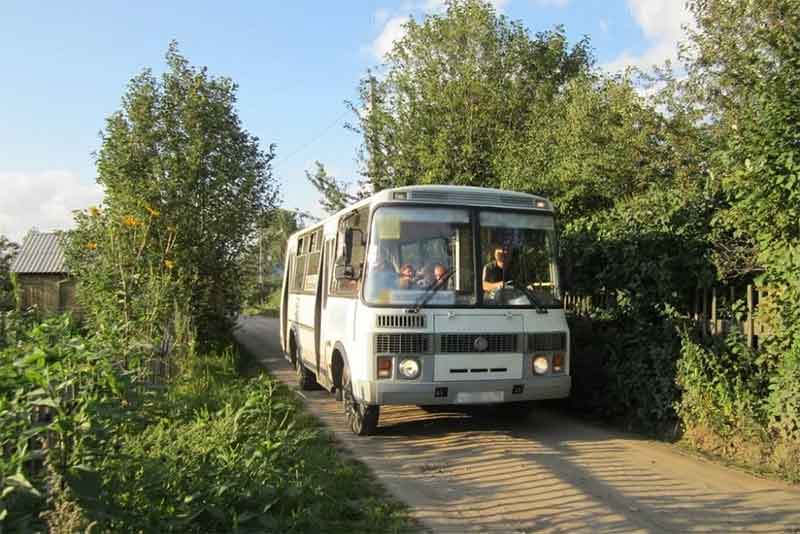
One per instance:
(282, 160)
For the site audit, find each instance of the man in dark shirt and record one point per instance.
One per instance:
(498, 272)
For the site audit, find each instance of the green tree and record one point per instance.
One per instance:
(264, 263)
(8, 249)
(457, 88)
(746, 74)
(178, 168)
(333, 192)
(599, 141)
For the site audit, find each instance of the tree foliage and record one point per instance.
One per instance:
(457, 89)
(185, 181)
(8, 249)
(334, 194)
(263, 264)
(470, 97)
(747, 74)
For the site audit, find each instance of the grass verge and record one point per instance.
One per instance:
(214, 451)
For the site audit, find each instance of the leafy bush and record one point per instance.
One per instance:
(185, 184)
(723, 387)
(8, 250)
(649, 251)
(212, 452)
(624, 369)
(56, 397)
(746, 73)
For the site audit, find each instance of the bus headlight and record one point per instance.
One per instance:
(540, 365)
(409, 368)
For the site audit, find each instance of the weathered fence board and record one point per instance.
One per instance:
(704, 309)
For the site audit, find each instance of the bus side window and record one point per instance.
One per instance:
(300, 266)
(358, 222)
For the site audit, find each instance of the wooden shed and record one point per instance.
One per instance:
(42, 276)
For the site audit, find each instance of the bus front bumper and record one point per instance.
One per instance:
(475, 392)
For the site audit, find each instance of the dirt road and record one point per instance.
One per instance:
(550, 473)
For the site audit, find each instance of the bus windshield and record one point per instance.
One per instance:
(414, 249)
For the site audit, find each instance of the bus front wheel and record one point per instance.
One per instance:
(361, 417)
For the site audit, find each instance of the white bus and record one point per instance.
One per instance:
(428, 295)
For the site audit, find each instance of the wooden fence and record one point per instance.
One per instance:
(711, 309)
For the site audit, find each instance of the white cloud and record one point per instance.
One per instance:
(662, 23)
(45, 200)
(393, 25)
(393, 30)
(381, 15)
(552, 3)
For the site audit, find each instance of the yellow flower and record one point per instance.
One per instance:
(130, 221)
(153, 212)
(94, 211)
(169, 264)
(91, 246)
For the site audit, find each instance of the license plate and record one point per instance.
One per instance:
(478, 397)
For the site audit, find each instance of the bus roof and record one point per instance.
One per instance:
(457, 195)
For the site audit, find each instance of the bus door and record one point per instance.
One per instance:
(322, 293)
(322, 326)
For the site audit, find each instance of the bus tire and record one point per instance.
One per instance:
(305, 378)
(361, 417)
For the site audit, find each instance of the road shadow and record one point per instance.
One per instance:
(471, 471)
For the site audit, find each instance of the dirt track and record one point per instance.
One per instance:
(550, 473)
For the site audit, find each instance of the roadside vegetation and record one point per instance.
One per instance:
(139, 414)
(663, 183)
(89, 446)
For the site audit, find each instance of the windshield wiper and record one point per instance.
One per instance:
(534, 299)
(431, 291)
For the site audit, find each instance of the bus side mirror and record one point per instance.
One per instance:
(348, 246)
(343, 270)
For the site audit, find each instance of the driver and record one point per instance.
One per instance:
(497, 273)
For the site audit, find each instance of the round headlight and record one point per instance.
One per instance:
(540, 365)
(409, 368)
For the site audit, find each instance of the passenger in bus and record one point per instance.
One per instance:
(382, 275)
(426, 277)
(497, 273)
(439, 272)
(406, 280)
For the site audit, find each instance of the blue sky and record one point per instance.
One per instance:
(65, 65)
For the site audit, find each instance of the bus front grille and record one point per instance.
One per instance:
(400, 321)
(452, 343)
(402, 343)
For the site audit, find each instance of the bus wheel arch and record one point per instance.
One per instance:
(337, 369)
(293, 347)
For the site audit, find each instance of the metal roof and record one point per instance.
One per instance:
(41, 253)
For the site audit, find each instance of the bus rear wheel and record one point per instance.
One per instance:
(361, 417)
(305, 378)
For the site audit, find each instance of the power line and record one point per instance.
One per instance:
(281, 161)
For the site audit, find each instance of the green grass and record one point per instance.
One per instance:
(223, 448)
(223, 453)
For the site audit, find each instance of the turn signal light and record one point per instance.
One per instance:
(384, 367)
(558, 362)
